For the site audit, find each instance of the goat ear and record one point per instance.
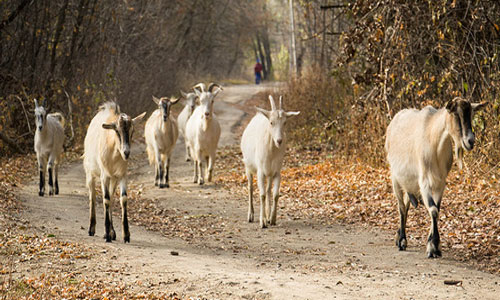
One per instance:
(266, 113)
(478, 106)
(109, 126)
(156, 100)
(216, 91)
(138, 118)
(292, 113)
(36, 103)
(451, 106)
(175, 100)
(212, 85)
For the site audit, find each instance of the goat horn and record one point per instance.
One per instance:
(271, 100)
(212, 85)
(201, 86)
(281, 101)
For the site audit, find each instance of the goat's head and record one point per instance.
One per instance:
(190, 99)
(164, 104)
(124, 128)
(206, 98)
(40, 114)
(459, 124)
(277, 120)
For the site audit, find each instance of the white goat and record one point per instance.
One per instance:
(184, 117)
(106, 153)
(263, 145)
(161, 134)
(420, 154)
(203, 132)
(49, 140)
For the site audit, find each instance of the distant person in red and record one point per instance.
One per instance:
(258, 70)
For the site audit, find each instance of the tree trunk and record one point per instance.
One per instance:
(59, 28)
(267, 54)
(294, 53)
(261, 56)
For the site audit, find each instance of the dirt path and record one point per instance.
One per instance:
(297, 259)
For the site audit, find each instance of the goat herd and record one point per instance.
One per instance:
(419, 144)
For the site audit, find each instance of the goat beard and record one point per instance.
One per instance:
(459, 152)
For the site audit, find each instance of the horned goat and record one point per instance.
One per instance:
(106, 153)
(203, 132)
(420, 154)
(49, 140)
(161, 134)
(263, 145)
(184, 117)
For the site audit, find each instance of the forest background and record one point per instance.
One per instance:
(348, 66)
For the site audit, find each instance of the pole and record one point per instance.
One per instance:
(294, 53)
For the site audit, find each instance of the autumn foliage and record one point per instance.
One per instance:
(338, 189)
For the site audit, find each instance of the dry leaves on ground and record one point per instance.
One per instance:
(35, 264)
(348, 191)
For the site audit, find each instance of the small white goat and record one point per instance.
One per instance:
(263, 145)
(161, 134)
(106, 153)
(49, 140)
(203, 132)
(184, 117)
(420, 154)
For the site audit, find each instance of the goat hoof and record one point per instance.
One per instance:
(156, 183)
(108, 238)
(201, 182)
(250, 218)
(188, 159)
(57, 192)
(91, 232)
(126, 239)
(401, 243)
(40, 194)
(167, 185)
(161, 185)
(51, 193)
(434, 254)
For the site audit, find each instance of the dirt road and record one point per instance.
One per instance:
(230, 258)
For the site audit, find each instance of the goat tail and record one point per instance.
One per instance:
(59, 117)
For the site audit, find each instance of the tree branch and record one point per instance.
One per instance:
(10, 143)
(14, 14)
